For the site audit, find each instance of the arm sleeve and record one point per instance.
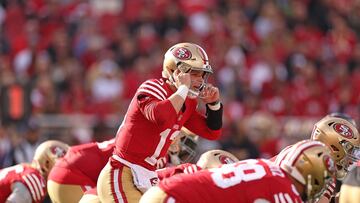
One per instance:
(20, 194)
(198, 125)
(187, 168)
(214, 118)
(160, 112)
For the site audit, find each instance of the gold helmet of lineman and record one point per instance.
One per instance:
(310, 163)
(342, 137)
(183, 148)
(47, 153)
(215, 158)
(187, 57)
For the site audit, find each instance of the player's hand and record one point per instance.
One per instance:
(192, 169)
(210, 94)
(182, 78)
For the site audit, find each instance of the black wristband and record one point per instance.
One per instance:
(213, 103)
(214, 118)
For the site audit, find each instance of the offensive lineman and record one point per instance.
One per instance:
(26, 183)
(301, 176)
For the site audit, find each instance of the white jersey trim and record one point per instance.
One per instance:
(151, 93)
(149, 87)
(157, 85)
(27, 181)
(37, 188)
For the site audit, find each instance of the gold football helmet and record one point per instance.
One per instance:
(182, 149)
(215, 158)
(187, 57)
(342, 138)
(310, 163)
(47, 153)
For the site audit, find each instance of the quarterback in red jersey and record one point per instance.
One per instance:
(161, 107)
(78, 171)
(302, 176)
(26, 183)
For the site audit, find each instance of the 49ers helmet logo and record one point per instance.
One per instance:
(58, 151)
(343, 130)
(329, 163)
(225, 159)
(182, 53)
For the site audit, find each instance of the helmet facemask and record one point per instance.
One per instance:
(195, 90)
(311, 164)
(350, 159)
(182, 150)
(188, 147)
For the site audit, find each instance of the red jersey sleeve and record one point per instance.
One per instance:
(160, 112)
(154, 105)
(187, 168)
(36, 186)
(197, 124)
(25, 174)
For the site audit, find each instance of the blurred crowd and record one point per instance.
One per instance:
(280, 65)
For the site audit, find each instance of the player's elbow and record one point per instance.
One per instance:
(164, 119)
(214, 135)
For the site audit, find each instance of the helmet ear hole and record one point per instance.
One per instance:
(316, 182)
(334, 148)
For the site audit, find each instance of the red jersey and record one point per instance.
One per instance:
(28, 176)
(187, 168)
(151, 123)
(245, 181)
(82, 164)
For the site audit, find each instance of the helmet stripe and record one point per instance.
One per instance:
(281, 156)
(204, 55)
(295, 153)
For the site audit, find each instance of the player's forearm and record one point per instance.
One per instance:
(178, 98)
(177, 102)
(199, 125)
(20, 194)
(204, 131)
